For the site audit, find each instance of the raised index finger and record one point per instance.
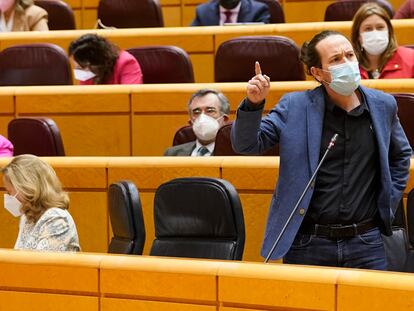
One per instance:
(257, 68)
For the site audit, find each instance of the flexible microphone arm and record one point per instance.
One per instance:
(330, 146)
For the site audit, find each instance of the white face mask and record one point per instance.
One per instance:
(375, 42)
(206, 127)
(83, 75)
(12, 205)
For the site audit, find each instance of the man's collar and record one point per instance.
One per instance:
(210, 146)
(330, 104)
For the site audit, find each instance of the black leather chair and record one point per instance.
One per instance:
(34, 64)
(60, 14)
(127, 220)
(278, 57)
(344, 10)
(198, 218)
(405, 102)
(164, 64)
(39, 136)
(130, 13)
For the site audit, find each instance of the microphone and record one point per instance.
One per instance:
(330, 146)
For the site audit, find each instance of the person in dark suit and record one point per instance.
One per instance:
(218, 12)
(208, 110)
(358, 187)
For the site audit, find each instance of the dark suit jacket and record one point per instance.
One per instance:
(208, 14)
(296, 122)
(181, 150)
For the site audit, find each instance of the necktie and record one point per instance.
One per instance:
(228, 16)
(202, 151)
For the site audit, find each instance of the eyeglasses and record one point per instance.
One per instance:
(211, 111)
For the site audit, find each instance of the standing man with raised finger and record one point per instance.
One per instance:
(360, 183)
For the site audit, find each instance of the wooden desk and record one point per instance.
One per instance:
(122, 120)
(201, 43)
(87, 179)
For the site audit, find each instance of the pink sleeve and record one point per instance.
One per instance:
(6, 147)
(131, 72)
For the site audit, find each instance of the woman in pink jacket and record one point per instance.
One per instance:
(6, 147)
(98, 61)
(376, 47)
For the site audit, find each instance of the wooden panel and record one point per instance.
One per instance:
(148, 129)
(89, 18)
(74, 3)
(4, 122)
(172, 16)
(147, 201)
(7, 100)
(315, 11)
(112, 304)
(141, 169)
(243, 309)
(203, 66)
(64, 272)
(301, 32)
(90, 213)
(188, 14)
(18, 301)
(255, 175)
(9, 227)
(186, 38)
(69, 99)
(82, 177)
(277, 286)
(255, 210)
(375, 291)
(78, 18)
(157, 98)
(159, 279)
(95, 135)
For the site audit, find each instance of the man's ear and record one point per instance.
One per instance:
(316, 73)
(225, 119)
(190, 122)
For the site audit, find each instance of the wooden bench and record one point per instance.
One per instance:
(121, 120)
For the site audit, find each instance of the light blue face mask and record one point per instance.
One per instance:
(345, 78)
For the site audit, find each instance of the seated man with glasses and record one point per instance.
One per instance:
(208, 111)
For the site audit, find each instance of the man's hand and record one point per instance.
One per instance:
(258, 87)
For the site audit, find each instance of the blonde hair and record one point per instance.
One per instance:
(36, 184)
(362, 14)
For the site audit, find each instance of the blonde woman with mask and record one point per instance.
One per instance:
(376, 47)
(34, 194)
(22, 15)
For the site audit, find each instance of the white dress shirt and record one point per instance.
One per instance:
(210, 148)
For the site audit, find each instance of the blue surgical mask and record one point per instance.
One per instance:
(345, 78)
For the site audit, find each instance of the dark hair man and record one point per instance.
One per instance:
(358, 187)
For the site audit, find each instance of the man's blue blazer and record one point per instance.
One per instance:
(296, 122)
(208, 14)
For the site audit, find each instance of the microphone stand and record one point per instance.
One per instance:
(330, 146)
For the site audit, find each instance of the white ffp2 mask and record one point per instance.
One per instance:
(12, 205)
(83, 75)
(206, 127)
